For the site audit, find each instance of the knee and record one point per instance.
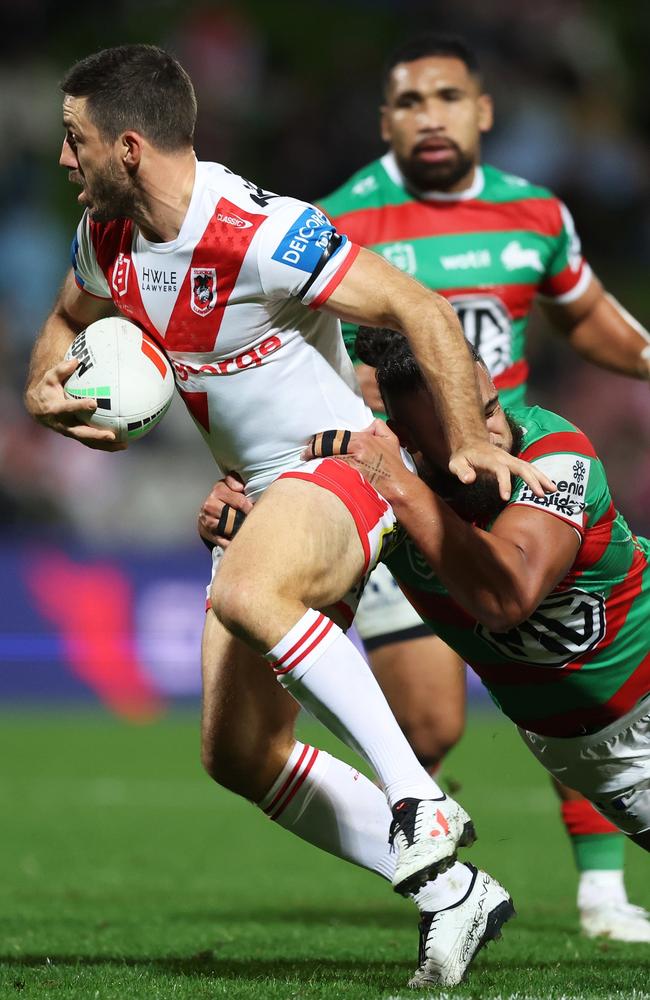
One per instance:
(432, 736)
(233, 601)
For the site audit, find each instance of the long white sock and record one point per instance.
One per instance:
(324, 671)
(332, 806)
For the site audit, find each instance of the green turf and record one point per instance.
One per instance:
(125, 874)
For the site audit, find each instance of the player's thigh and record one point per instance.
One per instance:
(302, 543)
(424, 683)
(248, 719)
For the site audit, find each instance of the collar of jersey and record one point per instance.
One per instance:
(389, 163)
(185, 231)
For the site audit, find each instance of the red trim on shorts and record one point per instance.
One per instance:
(337, 278)
(581, 819)
(363, 502)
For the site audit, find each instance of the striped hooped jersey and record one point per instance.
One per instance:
(234, 301)
(582, 659)
(490, 250)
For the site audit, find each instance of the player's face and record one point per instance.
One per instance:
(433, 118)
(418, 423)
(93, 163)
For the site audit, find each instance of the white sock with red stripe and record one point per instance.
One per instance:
(332, 806)
(324, 671)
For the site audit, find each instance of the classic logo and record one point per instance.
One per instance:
(234, 220)
(565, 626)
(514, 257)
(487, 325)
(401, 255)
(204, 290)
(121, 270)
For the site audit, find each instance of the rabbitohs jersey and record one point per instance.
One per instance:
(582, 659)
(490, 250)
(234, 301)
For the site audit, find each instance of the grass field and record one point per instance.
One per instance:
(125, 874)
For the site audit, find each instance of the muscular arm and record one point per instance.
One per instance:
(375, 293)
(603, 332)
(499, 577)
(45, 398)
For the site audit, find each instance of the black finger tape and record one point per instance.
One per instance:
(230, 521)
(327, 444)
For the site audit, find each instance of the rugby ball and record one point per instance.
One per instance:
(128, 375)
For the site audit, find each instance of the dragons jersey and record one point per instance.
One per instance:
(583, 658)
(233, 301)
(489, 249)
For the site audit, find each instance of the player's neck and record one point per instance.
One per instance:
(166, 196)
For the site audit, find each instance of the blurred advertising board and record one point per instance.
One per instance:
(123, 628)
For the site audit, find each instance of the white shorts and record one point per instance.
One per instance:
(611, 767)
(372, 515)
(384, 613)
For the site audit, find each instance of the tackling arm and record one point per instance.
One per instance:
(603, 332)
(499, 576)
(375, 293)
(45, 398)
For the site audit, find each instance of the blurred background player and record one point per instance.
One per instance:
(492, 243)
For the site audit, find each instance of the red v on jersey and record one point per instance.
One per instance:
(113, 243)
(188, 329)
(205, 288)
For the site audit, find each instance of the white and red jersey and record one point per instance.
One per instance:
(234, 301)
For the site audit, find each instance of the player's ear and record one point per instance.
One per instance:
(131, 147)
(485, 112)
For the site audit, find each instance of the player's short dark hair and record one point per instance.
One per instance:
(390, 354)
(139, 87)
(430, 44)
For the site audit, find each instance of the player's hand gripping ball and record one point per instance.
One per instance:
(127, 374)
